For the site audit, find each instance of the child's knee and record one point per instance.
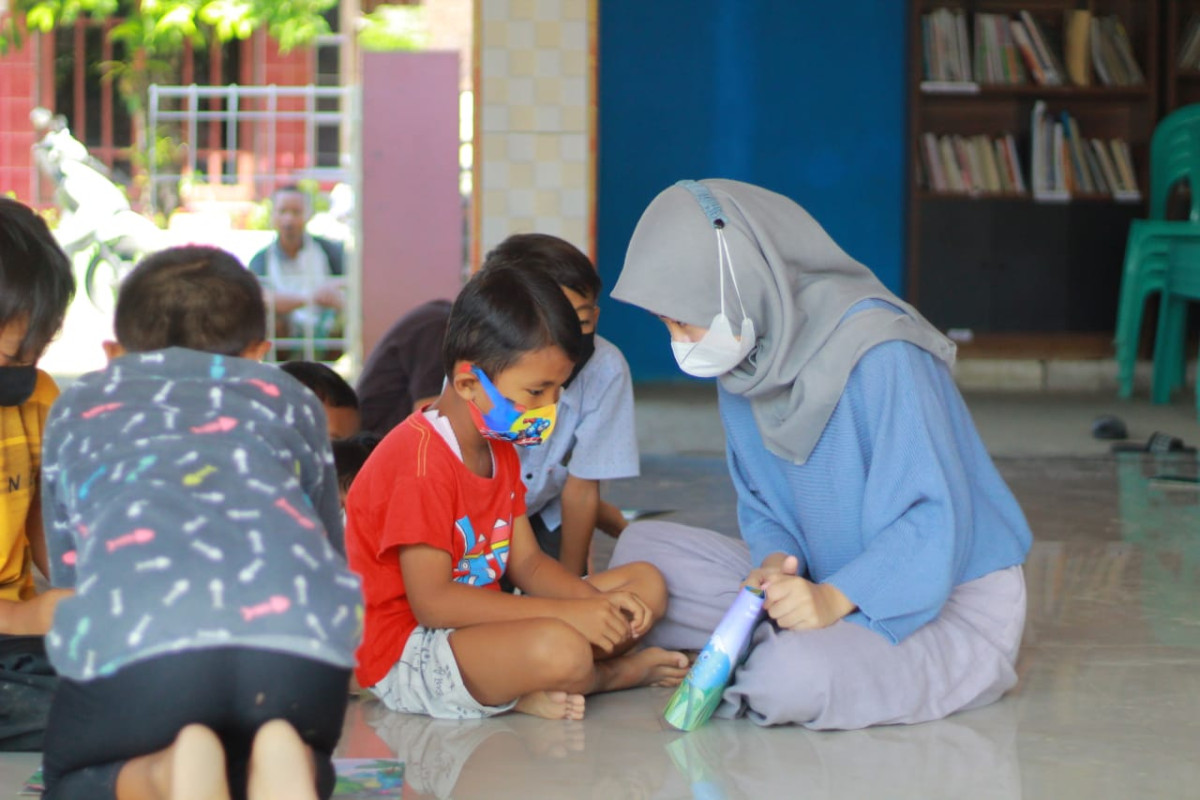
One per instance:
(561, 656)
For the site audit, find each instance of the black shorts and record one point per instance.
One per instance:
(27, 684)
(96, 726)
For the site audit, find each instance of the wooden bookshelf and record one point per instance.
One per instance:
(1180, 86)
(1007, 267)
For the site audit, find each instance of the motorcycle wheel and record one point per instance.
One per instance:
(105, 272)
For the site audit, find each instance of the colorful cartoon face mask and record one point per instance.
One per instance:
(508, 421)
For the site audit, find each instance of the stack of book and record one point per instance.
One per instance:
(1014, 50)
(945, 48)
(1039, 52)
(1065, 164)
(971, 164)
(1112, 53)
(1189, 48)
(996, 51)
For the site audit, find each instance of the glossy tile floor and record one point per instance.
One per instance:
(1109, 699)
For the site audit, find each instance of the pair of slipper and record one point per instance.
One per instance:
(1109, 426)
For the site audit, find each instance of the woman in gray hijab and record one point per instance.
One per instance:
(888, 545)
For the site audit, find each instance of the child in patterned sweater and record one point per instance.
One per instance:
(190, 499)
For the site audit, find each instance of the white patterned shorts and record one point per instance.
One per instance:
(426, 680)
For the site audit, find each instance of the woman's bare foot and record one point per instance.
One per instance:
(197, 766)
(552, 705)
(651, 666)
(281, 765)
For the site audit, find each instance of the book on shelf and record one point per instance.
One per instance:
(1189, 46)
(1044, 49)
(996, 57)
(1093, 164)
(945, 46)
(1014, 163)
(1080, 166)
(1025, 47)
(1064, 163)
(1112, 53)
(973, 165)
(1045, 183)
(1107, 167)
(1124, 159)
(1076, 53)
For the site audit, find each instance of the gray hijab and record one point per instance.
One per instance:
(794, 282)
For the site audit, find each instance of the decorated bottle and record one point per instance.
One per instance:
(700, 692)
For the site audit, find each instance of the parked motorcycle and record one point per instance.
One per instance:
(95, 214)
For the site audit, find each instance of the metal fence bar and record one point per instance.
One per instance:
(233, 114)
(238, 108)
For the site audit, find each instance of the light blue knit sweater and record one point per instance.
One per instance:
(899, 502)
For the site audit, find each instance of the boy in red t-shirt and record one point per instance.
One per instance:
(437, 516)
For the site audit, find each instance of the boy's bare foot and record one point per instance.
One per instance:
(197, 765)
(552, 705)
(651, 666)
(281, 765)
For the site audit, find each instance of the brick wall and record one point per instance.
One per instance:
(18, 96)
(295, 68)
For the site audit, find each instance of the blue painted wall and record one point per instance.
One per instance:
(805, 98)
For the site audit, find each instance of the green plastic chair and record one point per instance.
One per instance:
(1181, 285)
(1174, 157)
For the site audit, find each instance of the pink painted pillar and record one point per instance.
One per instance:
(410, 207)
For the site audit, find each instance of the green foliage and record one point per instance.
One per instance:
(159, 28)
(394, 28)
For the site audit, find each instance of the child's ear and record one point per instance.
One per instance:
(112, 350)
(257, 351)
(464, 380)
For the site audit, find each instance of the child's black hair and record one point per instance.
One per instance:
(36, 280)
(350, 454)
(562, 261)
(503, 313)
(329, 387)
(197, 297)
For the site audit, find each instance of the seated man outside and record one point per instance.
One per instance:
(301, 275)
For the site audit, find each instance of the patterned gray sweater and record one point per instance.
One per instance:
(191, 500)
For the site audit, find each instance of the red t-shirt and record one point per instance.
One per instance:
(415, 490)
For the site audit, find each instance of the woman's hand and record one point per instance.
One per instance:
(799, 604)
(771, 566)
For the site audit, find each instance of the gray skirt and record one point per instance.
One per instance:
(842, 677)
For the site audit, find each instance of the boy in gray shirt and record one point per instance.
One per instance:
(594, 437)
(190, 499)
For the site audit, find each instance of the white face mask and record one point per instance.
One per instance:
(719, 350)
